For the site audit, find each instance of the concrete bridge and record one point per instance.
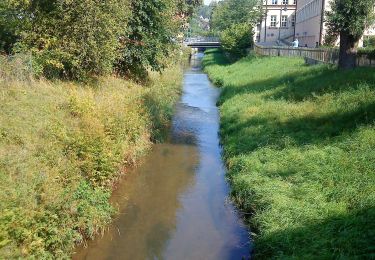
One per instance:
(202, 42)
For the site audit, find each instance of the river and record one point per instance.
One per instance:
(175, 205)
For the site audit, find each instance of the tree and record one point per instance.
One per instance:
(186, 7)
(349, 19)
(149, 38)
(234, 21)
(71, 39)
(230, 12)
(13, 19)
(236, 39)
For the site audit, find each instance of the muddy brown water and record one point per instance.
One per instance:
(175, 205)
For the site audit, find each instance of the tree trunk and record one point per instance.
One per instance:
(348, 51)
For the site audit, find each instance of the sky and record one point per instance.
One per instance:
(207, 2)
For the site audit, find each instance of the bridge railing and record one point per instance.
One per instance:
(201, 39)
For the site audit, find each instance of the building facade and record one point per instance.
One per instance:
(310, 26)
(278, 22)
(291, 19)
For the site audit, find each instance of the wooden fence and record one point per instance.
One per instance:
(330, 56)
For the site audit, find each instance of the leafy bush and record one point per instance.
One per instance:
(369, 42)
(237, 39)
(85, 39)
(368, 51)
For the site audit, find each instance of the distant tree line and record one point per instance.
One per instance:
(88, 38)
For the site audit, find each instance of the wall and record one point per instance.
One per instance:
(267, 33)
(308, 22)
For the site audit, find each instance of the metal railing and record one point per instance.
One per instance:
(201, 39)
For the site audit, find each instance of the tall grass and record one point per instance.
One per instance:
(62, 146)
(299, 142)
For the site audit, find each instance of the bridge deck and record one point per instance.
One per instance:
(203, 44)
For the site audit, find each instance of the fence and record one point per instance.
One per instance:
(330, 56)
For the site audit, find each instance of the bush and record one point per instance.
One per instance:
(75, 39)
(369, 42)
(368, 51)
(237, 39)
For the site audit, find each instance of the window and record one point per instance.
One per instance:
(273, 20)
(274, 2)
(284, 21)
(284, 2)
(293, 20)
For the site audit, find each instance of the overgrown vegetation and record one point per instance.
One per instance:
(62, 146)
(237, 39)
(299, 143)
(234, 21)
(81, 40)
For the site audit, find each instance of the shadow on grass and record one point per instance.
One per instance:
(345, 236)
(317, 127)
(298, 131)
(298, 86)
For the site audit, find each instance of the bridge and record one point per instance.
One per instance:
(202, 42)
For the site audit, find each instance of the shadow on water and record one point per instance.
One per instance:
(174, 206)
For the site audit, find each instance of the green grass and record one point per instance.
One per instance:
(299, 142)
(62, 147)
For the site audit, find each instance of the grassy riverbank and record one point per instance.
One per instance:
(299, 142)
(62, 147)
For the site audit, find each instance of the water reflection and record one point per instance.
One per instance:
(175, 205)
(148, 200)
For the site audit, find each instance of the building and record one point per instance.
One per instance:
(310, 26)
(285, 20)
(278, 22)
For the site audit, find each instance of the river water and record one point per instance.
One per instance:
(175, 205)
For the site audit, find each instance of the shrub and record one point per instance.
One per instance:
(237, 39)
(368, 51)
(369, 42)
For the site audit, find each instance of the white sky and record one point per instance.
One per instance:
(207, 2)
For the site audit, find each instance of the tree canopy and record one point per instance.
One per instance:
(349, 19)
(234, 21)
(230, 12)
(80, 39)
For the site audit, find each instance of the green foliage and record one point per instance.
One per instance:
(62, 146)
(231, 12)
(299, 144)
(11, 23)
(197, 26)
(85, 39)
(350, 16)
(149, 37)
(75, 39)
(237, 39)
(369, 52)
(187, 7)
(369, 42)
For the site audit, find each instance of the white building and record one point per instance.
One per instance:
(278, 22)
